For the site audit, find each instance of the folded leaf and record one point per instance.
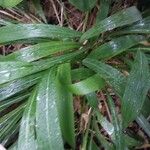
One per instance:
(88, 85)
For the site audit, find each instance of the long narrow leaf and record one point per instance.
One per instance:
(124, 17)
(16, 86)
(13, 70)
(136, 89)
(27, 130)
(115, 46)
(8, 102)
(65, 104)
(41, 50)
(47, 117)
(119, 139)
(28, 31)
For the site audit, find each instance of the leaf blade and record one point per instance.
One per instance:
(124, 17)
(65, 104)
(136, 89)
(48, 128)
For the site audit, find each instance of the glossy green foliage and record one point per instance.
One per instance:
(41, 50)
(16, 86)
(118, 135)
(13, 100)
(115, 47)
(65, 104)
(27, 129)
(11, 70)
(32, 31)
(88, 85)
(54, 89)
(47, 117)
(108, 73)
(83, 5)
(124, 17)
(118, 81)
(9, 122)
(140, 27)
(136, 89)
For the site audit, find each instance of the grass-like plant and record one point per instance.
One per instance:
(40, 82)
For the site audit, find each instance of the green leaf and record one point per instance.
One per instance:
(102, 139)
(103, 10)
(109, 128)
(144, 124)
(140, 48)
(141, 27)
(136, 89)
(16, 86)
(92, 100)
(27, 129)
(29, 31)
(5, 120)
(38, 51)
(111, 75)
(39, 9)
(47, 117)
(83, 5)
(8, 102)
(145, 109)
(13, 70)
(81, 73)
(9, 3)
(10, 121)
(115, 46)
(118, 135)
(65, 104)
(124, 17)
(88, 85)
